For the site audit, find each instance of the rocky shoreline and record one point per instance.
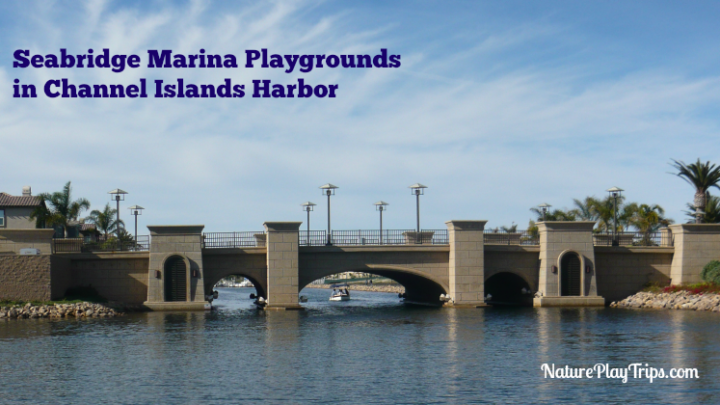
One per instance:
(397, 289)
(676, 300)
(58, 311)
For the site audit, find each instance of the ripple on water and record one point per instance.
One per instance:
(369, 350)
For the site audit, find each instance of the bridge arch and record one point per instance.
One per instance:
(419, 286)
(221, 263)
(212, 279)
(506, 288)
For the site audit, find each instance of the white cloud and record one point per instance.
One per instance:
(489, 146)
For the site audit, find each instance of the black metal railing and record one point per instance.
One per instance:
(216, 240)
(360, 237)
(500, 237)
(634, 239)
(68, 245)
(80, 245)
(312, 238)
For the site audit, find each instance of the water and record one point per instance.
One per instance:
(370, 350)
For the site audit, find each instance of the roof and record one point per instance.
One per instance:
(7, 200)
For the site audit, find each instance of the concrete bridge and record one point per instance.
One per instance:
(566, 266)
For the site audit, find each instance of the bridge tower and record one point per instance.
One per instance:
(175, 276)
(282, 264)
(466, 267)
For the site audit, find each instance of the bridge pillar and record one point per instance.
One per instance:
(466, 268)
(695, 246)
(282, 265)
(185, 242)
(557, 239)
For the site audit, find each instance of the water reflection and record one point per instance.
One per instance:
(371, 349)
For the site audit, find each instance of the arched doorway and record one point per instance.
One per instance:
(570, 275)
(175, 279)
(508, 289)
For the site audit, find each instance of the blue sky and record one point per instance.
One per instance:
(498, 106)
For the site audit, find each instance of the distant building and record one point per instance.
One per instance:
(15, 210)
(79, 229)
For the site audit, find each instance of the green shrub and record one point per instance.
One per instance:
(711, 272)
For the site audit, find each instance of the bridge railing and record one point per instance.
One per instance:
(500, 237)
(360, 237)
(634, 239)
(80, 245)
(217, 240)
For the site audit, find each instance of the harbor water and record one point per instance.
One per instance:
(369, 350)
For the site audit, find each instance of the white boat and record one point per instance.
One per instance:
(340, 293)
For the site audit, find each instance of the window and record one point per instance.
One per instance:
(2, 218)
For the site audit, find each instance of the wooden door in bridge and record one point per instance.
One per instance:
(570, 275)
(175, 279)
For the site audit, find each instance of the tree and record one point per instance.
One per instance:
(625, 215)
(648, 219)
(61, 208)
(533, 231)
(105, 220)
(700, 175)
(126, 241)
(584, 210)
(605, 212)
(555, 215)
(509, 229)
(712, 210)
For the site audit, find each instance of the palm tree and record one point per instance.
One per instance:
(509, 229)
(105, 220)
(556, 215)
(605, 212)
(648, 219)
(625, 215)
(584, 210)
(700, 175)
(712, 210)
(62, 209)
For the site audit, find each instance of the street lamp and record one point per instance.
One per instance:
(417, 189)
(615, 192)
(544, 208)
(117, 195)
(381, 206)
(698, 215)
(307, 207)
(328, 190)
(136, 210)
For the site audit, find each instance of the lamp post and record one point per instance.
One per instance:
(417, 190)
(328, 190)
(699, 215)
(544, 208)
(615, 192)
(307, 207)
(381, 206)
(117, 195)
(136, 210)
